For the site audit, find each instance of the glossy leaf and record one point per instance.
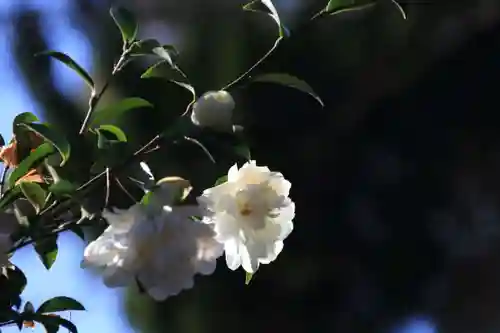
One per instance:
(34, 193)
(25, 117)
(116, 110)
(288, 81)
(37, 155)
(47, 251)
(60, 303)
(52, 136)
(2, 141)
(126, 22)
(115, 131)
(267, 7)
(164, 70)
(68, 61)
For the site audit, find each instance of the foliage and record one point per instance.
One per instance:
(49, 195)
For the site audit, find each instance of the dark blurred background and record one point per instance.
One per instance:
(395, 181)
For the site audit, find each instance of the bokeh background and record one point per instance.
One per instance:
(395, 181)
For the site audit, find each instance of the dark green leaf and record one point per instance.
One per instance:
(289, 81)
(34, 193)
(164, 70)
(244, 151)
(66, 59)
(164, 54)
(16, 284)
(28, 307)
(114, 111)
(126, 22)
(153, 47)
(221, 180)
(52, 322)
(2, 141)
(267, 7)
(248, 278)
(10, 196)
(52, 136)
(29, 162)
(78, 230)
(144, 47)
(58, 304)
(63, 187)
(47, 251)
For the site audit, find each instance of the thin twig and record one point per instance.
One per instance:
(244, 75)
(123, 188)
(108, 187)
(96, 97)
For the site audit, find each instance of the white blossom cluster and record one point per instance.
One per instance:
(162, 245)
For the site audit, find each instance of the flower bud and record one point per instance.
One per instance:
(214, 109)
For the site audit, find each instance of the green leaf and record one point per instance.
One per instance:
(17, 281)
(68, 61)
(288, 81)
(221, 180)
(47, 251)
(153, 47)
(78, 230)
(2, 141)
(42, 151)
(52, 136)
(115, 110)
(126, 22)
(58, 304)
(113, 130)
(248, 278)
(53, 323)
(34, 193)
(146, 199)
(164, 70)
(10, 196)
(144, 47)
(63, 187)
(25, 117)
(267, 7)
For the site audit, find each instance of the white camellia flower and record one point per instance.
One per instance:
(215, 110)
(251, 214)
(163, 249)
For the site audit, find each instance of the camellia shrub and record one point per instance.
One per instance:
(163, 240)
